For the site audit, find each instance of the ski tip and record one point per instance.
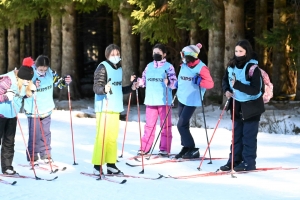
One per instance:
(124, 181)
(160, 176)
(53, 178)
(13, 183)
(131, 165)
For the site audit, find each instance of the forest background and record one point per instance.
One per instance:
(75, 33)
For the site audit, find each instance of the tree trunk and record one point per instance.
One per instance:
(56, 52)
(234, 26)
(22, 44)
(69, 52)
(3, 66)
(116, 29)
(32, 35)
(127, 46)
(261, 20)
(13, 48)
(278, 59)
(193, 33)
(216, 44)
(297, 21)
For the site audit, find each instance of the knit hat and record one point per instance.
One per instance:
(192, 50)
(26, 72)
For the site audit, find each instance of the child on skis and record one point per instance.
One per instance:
(14, 86)
(158, 77)
(247, 94)
(44, 79)
(194, 75)
(108, 105)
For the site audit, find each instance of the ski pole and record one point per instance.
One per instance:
(32, 165)
(43, 134)
(162, 125)
(128, 110)
(221, 115)
(205, 124)
(138, 108)
(232, 140)
(71, 124)
(104, 132)
(166, 73)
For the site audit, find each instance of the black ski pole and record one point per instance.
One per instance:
(138, 108)
(205, 125)
(199, 168)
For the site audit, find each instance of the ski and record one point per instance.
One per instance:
(55, 168)
(153, 156)
(103, 178)
(126, 176)
(220, 173)
(7, 183)
(29, 177)
(171, 161)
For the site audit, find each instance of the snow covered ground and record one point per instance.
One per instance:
(274, 150)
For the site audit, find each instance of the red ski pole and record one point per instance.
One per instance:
(104, 131)
(128, 110)
(32, 165)
(71, 124)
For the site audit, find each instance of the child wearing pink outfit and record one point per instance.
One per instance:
(158, 77)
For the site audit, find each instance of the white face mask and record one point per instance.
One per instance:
(40, 73)
(114, 59)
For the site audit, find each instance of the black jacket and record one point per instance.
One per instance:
(100, 80)
(250, 110)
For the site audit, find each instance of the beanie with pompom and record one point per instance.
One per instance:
(26, 72)
(192, 50)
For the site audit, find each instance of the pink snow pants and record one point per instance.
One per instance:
(152, 113)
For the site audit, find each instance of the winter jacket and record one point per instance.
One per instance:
(249, 110)
(100, 80)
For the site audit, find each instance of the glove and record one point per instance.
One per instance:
(132, 78)
(10, 94)
(32, 87)
(135, 85)
(68, 79)
(197, 80)
(107, 88)
(176, 84)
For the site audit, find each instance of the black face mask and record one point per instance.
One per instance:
(157, 57)
(240, 58)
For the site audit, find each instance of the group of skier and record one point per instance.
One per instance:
(33, 84)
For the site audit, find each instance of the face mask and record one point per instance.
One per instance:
(183, 60)
(240, 58)
(40, 73)
(157, 57)
(114, 59)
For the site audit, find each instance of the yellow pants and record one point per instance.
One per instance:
(110, 139)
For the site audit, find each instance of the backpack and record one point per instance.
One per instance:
(268, 86)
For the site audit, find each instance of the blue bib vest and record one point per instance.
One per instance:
(240, 76)
(188, 93)
(44, 95)
(155, 86)
(115, 100)
(6, 108)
